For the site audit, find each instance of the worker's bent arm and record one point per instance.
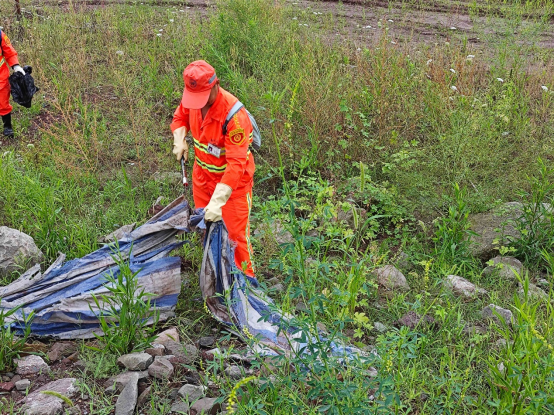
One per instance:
(237, 142)
(180, 118)
(8, 51)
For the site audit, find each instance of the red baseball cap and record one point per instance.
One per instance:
(199, 79)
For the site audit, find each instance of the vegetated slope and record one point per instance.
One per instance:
(373, 124)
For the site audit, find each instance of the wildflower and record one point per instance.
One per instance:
(545, 88)
(158, 34)
(31, 146)
(453, 88)
(452, 70)
(447, 43)
(499, 79)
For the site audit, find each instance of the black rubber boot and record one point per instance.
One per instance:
(8, 130)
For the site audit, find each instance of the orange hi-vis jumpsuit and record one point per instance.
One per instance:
(8, 56)
(226, 159)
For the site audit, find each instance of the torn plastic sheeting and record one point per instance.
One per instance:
(62, 297)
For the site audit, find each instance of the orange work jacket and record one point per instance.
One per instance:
(217, 157)
(8, 56)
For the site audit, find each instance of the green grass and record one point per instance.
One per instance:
(379, 128)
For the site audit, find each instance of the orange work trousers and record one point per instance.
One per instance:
(5, 106)
(236, 216)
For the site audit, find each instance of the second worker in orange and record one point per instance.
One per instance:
(223, 172)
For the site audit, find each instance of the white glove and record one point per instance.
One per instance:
(17, 68)
(222, 193)
(180, 146)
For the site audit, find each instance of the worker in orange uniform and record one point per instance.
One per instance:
(8, 56)
(223, 171)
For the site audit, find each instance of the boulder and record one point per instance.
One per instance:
(127, 400)
(462, 287)
(505, 267)
(191, 393)
(156, 350)
(496, 224)
(136, 361)
(170, 334)
(498, 314)
(161, 368)
(17, 250)
(391, 278)
(206, 406)
(38, 403)
(32, 364)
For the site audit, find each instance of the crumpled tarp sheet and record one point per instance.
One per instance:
(61, 297)
(235, 300)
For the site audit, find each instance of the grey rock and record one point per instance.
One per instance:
(73, 410)
(22, 385)
(371, 372)
(301, 307)
(543, 282)
(144, 396)
(161, 368)
(17, 250)
(391, 278)
(505, 267)
(136, 361)
(37, 403)
(474, 329)
(502, 343)
(501, 367)
(80, 365)
(462, 287)
(117, 383)
(501, 314)
(60, 350)
(156, 350)
(32, 364)
(186, 354)
(379, 327)
(534, 292)
(413, 319)
(117, 234)
(127, 400)
(278, 288)
(10, 375)
(234, 372)
(173, 393)
(168, 335)
(206, 406)
(180, 407)
(206, 342)
(354, 217)
(486, 224)
(403, 261)
(191, 393)
(275, 230)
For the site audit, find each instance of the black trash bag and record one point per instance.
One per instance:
(23, 87)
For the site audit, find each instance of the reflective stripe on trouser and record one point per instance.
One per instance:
(236, 215)
(5, 107)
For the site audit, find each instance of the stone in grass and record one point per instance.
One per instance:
(534, 292)
(234, 372)
(498, 314)
(38, 403)
(206, 342)
(32, 364)
(191, 393)
(185, 354)
(507, 268)
(17, 249)
(136, 361)
(380, 327)
(413, 319)
(170, 334)
(462, 287)
(206, 406)
(180, 407)
(117, 383)
(127, 400)
(278, 288)
(7, 386)
(144, 396)
(156, 350)
(60, 350)
(391, 278)
(161, 368)
(22, 385)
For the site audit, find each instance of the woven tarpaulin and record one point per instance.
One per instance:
(62, 296)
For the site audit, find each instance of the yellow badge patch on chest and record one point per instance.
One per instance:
(237, 136)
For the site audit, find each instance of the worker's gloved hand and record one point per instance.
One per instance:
(180, 146)
(222, 193)
(17, 68)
